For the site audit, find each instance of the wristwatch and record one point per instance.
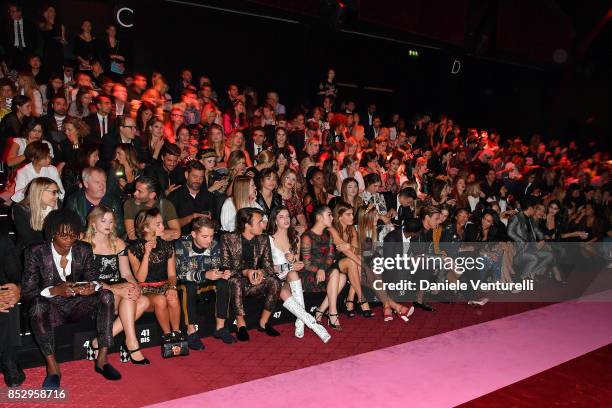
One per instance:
(172, 287)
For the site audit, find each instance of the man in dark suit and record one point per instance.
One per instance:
(20, 39)
(416, 236)
(530, 256)
(256, 142)
(101, 122)
(406, 206)
(53, 123)
(371, 132)
(125, 132)
(191, 200)
(298, 138)
(367, 117)
(166, 171)
(59, 287)
(490, 186)
(247, 254)
(10, 282)
(397, 243)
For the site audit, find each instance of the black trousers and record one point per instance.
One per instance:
(9, 334)
(48, 313)
(189, 294)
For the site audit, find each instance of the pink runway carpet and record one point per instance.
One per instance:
(439, 371)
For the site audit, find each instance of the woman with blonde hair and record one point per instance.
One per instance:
(236, 166)
(75, 130)
(351, 148)
(216, 140)
(28, 87)
(235, 142)
(474, 194)
(288, 190)
(29, 215)
(110, 261)
(265, 160)
(244, 195)
(370, 241)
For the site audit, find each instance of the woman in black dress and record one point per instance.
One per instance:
(53, 35)
(85, 46)
(153, 264)
(87, 156)
(267, 197)
(29, 215)
(112, 53)
(321, 270)
(111, 263)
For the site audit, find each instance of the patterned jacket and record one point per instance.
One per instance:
(39, 271)
(232, 259)
(191, 266)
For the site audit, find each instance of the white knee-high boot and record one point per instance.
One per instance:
(298, 294)
(295, 308)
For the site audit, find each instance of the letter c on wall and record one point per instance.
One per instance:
(122, 10)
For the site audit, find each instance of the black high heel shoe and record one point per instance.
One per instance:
(317, 312)
(365, 313)
(350, 313)
(90, 351)
(335, 326)
(126, 355)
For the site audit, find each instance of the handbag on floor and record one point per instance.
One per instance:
(174, 348)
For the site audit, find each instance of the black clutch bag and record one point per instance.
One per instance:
(174, 348)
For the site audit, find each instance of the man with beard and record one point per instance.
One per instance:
(53, 122)
(191, 200)
(167, 171)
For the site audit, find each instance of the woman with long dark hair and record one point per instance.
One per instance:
(79, 107)
(31, 131)
(85, 46)
(321, 271)
(235, 118)
(153, 264)
(124, 171)
(267, 197)
(55, 87)
(53, 35)
(145, 112)
(87, 156)
(330, 173)
(349, 259)
(285, 243)
(281, 144)
(317, 194)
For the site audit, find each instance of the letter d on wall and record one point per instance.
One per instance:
(456, 67)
